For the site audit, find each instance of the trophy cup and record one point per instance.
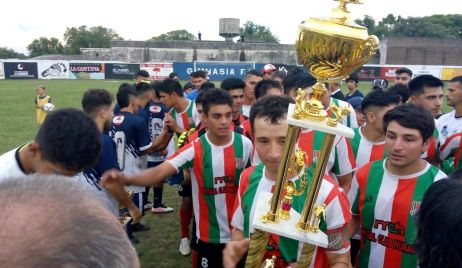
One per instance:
(330, 49)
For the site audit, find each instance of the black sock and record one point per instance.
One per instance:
(157, 197)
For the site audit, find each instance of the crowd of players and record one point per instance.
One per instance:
(226, 151)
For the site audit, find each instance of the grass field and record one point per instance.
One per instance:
(159, 246)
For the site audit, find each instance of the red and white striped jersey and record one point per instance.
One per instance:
(366, 151)
(386, 204)
(187, 119)
(215, 172)
(253, 181)
(452, 147)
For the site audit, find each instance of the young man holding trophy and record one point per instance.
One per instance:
(268, 118)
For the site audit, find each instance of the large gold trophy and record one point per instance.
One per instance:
(330, 49)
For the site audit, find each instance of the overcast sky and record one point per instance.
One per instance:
(25, 20)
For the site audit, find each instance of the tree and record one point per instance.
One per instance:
(442, 26)
(83, 37)
(7, 53)
(256, 31)
(175, 35)
(44, 46)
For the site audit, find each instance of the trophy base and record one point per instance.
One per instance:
(285, 228)
(322, 126)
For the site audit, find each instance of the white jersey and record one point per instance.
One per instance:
(448, 124)
(246, 110)
(9, 165)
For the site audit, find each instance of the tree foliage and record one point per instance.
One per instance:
(7, 53)
(175, 35)
(83, 37)
(256, 31)
(44, 46)
(442, 26)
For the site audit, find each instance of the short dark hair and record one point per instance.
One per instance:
(438, 223)
(253, 72)
(143, 87)
(155, 85)
(411, 116)
(172, 75)
(207, 85)
(379, 98)
(353, 77)
(279, 74)
(200, 97)
(262, 87)
(404, 70)
(199, 73)
(95, 98)
(66, 127)
(142, 73)
(216, 96)
(170, 86)
(456, 79)
(417, 84)
(401, 90)
(188, 85)
(232, 83)
(297, 80)
(123, 95)
(271, 107)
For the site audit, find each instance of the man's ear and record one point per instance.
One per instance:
(33, 149)
(411, 99)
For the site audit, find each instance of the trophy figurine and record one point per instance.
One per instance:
(330, 49)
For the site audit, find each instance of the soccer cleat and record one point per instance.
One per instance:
(148, 206)
(139, 227)
(161, 209)
(185, 248)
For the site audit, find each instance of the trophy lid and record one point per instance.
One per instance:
(339, 24)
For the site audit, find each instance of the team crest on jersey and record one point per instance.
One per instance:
(117, 120)
(414, 208)
(444, 131)
(240, 163)
(155, 109)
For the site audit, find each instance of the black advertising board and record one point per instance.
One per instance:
(368, 73)
(21, 70)
(121, 71)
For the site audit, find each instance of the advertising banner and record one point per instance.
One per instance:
(216, 71)
(388, 73)
(121, 71)
(157, 71)
(2, 72)
(48, 69)
(20, 70)
(448, 73)
(368, 73)
(86, 70)
(428, 70)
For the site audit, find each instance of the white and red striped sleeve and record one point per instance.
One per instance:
(450, 146)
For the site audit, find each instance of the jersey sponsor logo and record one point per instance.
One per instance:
(444, 131)
(222, 185)
(117, 120)
(240, 163)
(393, 243)
(392, 227)
(155, 109)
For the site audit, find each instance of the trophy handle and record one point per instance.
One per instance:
(258, 241)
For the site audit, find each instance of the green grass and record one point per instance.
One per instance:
(159, 246)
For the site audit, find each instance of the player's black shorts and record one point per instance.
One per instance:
(209, 255)
(184, 190)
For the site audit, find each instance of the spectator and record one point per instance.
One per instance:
(352, 83)
(403, 76)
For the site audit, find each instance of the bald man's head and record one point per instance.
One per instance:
(52, 221)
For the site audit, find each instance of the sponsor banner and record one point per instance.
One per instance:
(86, 70)
(121, 71)
(429, 70)
(368, 73)
(216, 71)
(20, 70)
(157, 71)
(48, 69)
(2, 72)
(388, 72)
(448, 73)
